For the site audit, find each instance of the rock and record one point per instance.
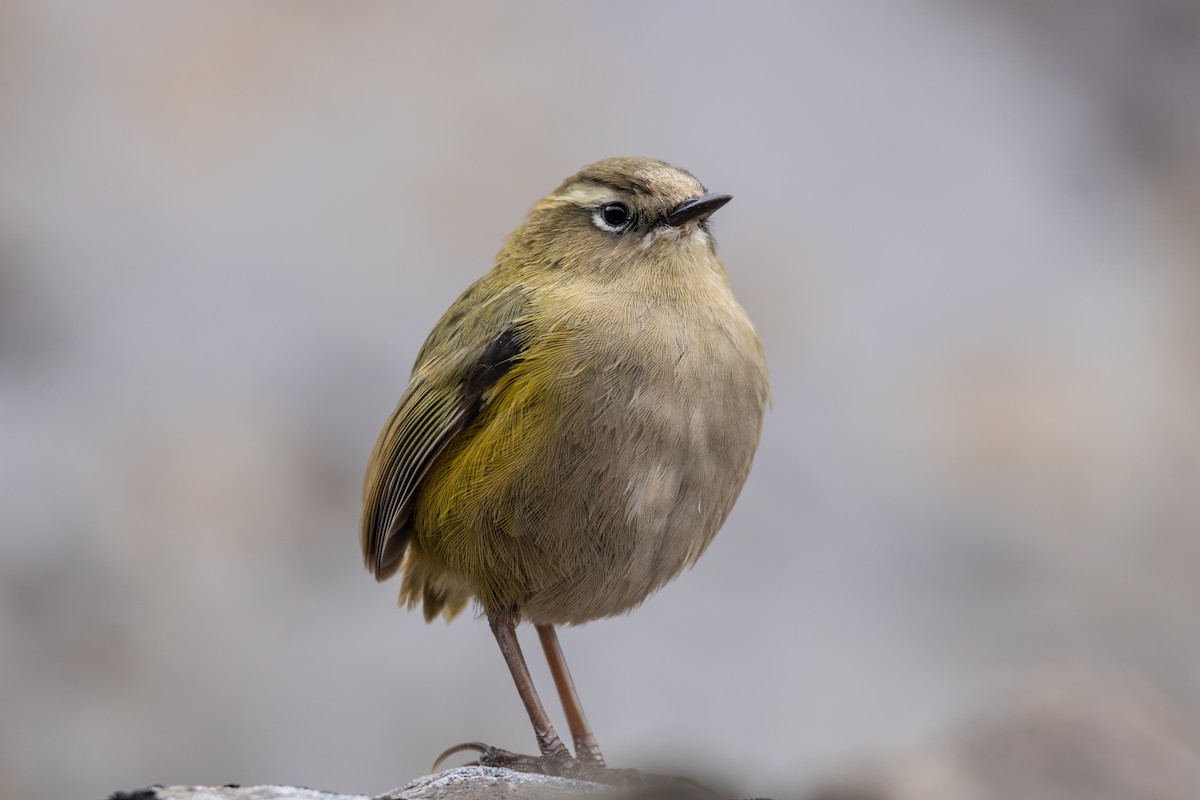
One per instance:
(463, 783)
(490, 783)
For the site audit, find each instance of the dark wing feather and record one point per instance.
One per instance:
(419, 429)
(444, 395)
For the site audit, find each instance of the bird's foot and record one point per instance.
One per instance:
(557, 764)
(563, 765)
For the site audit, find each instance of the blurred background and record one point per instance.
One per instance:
(969, 234)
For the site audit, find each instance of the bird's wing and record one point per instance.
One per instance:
(470, 349)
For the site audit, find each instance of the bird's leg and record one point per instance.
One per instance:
(586, 748)
(505, 630)
(555, 759)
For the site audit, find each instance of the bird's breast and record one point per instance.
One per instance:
(607, 458)
(669, 399)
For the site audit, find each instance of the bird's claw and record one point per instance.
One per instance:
(560, 765)
(565, 766)
(461, 747)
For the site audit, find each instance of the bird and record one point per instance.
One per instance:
(575, 430)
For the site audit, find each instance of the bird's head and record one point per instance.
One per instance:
(618, 215)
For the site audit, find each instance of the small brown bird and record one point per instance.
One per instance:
(576, 427)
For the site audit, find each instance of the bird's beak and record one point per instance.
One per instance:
(697, 208)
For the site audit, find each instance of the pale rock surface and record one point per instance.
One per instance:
(463, 783)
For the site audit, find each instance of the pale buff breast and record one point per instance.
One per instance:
(614, 461)
(668, 430)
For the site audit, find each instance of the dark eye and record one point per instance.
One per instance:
(613, 216)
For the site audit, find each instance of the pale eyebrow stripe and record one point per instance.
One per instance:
(589, 194)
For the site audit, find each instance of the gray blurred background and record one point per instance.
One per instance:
(969, 234)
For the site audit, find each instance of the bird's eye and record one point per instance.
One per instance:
(612, 217)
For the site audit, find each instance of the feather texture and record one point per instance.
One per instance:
(579, 423)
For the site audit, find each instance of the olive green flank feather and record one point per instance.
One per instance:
(474, 343)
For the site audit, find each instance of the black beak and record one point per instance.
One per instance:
(697, 208)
